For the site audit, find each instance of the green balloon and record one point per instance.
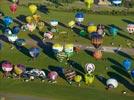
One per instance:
(83, 33)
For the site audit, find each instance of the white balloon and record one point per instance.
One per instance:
(112, 82)
(90, 67)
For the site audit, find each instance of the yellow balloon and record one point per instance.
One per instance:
(77, 78)
(88, 3)
(33, 8)
(17, 70)
(36, 17)
(91, 29)
(41, 26)
(71, 24)
(29, 19)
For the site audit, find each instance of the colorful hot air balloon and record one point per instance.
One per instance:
(7, 67)
(69, 74)
(97, 54)
(96, 39)
(89, 78)
(91, 29)
(113, 31)
(53, 75)
(130, 28)
(127, 64)
(7, 21)
(88, 3)
(112, 83)
(31, 27)
(69, 49)
(90, 67)
(16, 29)
(100, 29)
(79, 17)
(33, 8)
(19, 69)
(13, 7)
(34, 52)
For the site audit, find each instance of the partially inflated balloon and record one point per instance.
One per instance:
(33, 8)
(13, 7)
(7, 20)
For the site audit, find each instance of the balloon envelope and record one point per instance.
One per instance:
(7, 66)
(33, 8)
(19, 69)
(16, 30)
(90, 67)
(7, 20)
(79, 17)
(20, 42)
(78, 78)
(113, 31)
(91, 29)
(112, 82)
(13, 7)
(34, 52)
(127, 64)
(53, 75)
(54, 23)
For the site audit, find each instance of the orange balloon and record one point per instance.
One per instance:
(97, 54)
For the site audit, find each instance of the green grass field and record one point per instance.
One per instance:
(62, 90)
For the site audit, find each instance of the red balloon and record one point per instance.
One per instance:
(13, 7)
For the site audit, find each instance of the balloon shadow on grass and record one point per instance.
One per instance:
(63, 25)
(121, 53)
(112, 25)
(43, 9)
(102, 79)
(118, 68)
(127, 21)
(122, 80)
(89, 52)
(47, 46)
(21, 19)
(4, 38)
(59, 70)
(125, 36)
(79, 69)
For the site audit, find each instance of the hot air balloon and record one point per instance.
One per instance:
(116, 2)
(96, 39)
(57, 48)
(89, 78)
(113, 31)
(7, 32)
(83, 33)
(100, 29)
(71, 24)
(15, 1)
(13, 7)
(88, 3)
(90, 67)
(54, 23)
(31, 27)
(29, 19)
(61, 56)
(41, 26)
(97, 54)
(130, 28)
(91, 28)
(69, 49)
(36, 17)
(7, 67)
(34, 52)
(112, 83)
(127, 64)
(33, 8)
(7, 21)
(48, 35)
(12, 38)
(16, 29)
(19, 69)
(78, 79)
(132, 73)
(69, 74)
(79, 17)
(52, 76)
(20, 42)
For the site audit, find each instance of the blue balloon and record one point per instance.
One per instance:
(7, 21)
(7, 31)
(127, 64)
(113, 31)
(34, 52)
(132, 73)
(16, 30)
(79, 15)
